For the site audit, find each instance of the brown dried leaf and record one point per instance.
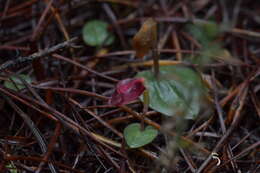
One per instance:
(145, 39)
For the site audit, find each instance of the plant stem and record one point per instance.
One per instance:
(156, 65)
(145, 108)
(142, 122)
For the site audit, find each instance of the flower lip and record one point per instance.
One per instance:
(126, 91)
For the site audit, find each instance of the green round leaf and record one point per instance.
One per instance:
(95, 33)
(197, 32)
(11, 168)
(18, 83)
(211, 29)
(204, 32)
(136, 138)
(179, 90)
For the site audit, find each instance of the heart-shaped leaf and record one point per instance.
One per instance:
(136, 138)
(18, 83)
(179, 90)
(95, 33)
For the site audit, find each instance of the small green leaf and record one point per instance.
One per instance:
(208, 53)
(211, 29)
(179, 90)
(19, 84)
(136, 138)
(197, 32)
(11, 168)
(204, 32)
(95, 33)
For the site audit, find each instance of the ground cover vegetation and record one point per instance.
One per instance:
(134, 86)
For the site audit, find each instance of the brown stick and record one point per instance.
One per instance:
(37, 55)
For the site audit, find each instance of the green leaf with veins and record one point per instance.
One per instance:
(136, 138)
(179, 90)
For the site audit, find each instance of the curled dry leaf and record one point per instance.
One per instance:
(126, 91)
(145, 39)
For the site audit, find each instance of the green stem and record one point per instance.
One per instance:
(156, 65)
(145, 108)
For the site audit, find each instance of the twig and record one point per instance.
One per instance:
(33, 128)
(117, 27)
(188, 159)
(84, 67)
(37, 55)
(54, 138)
(234, 124)
(66, 121)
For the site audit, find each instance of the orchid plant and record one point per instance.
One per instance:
(171, 90)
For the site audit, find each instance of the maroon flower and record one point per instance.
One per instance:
(126, 91)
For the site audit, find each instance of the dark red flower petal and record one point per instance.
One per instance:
(116, 99)
(126, 91)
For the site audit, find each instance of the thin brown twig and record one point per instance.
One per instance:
(33, 128)
(84, 67)
(21, 60)
(234, 124)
